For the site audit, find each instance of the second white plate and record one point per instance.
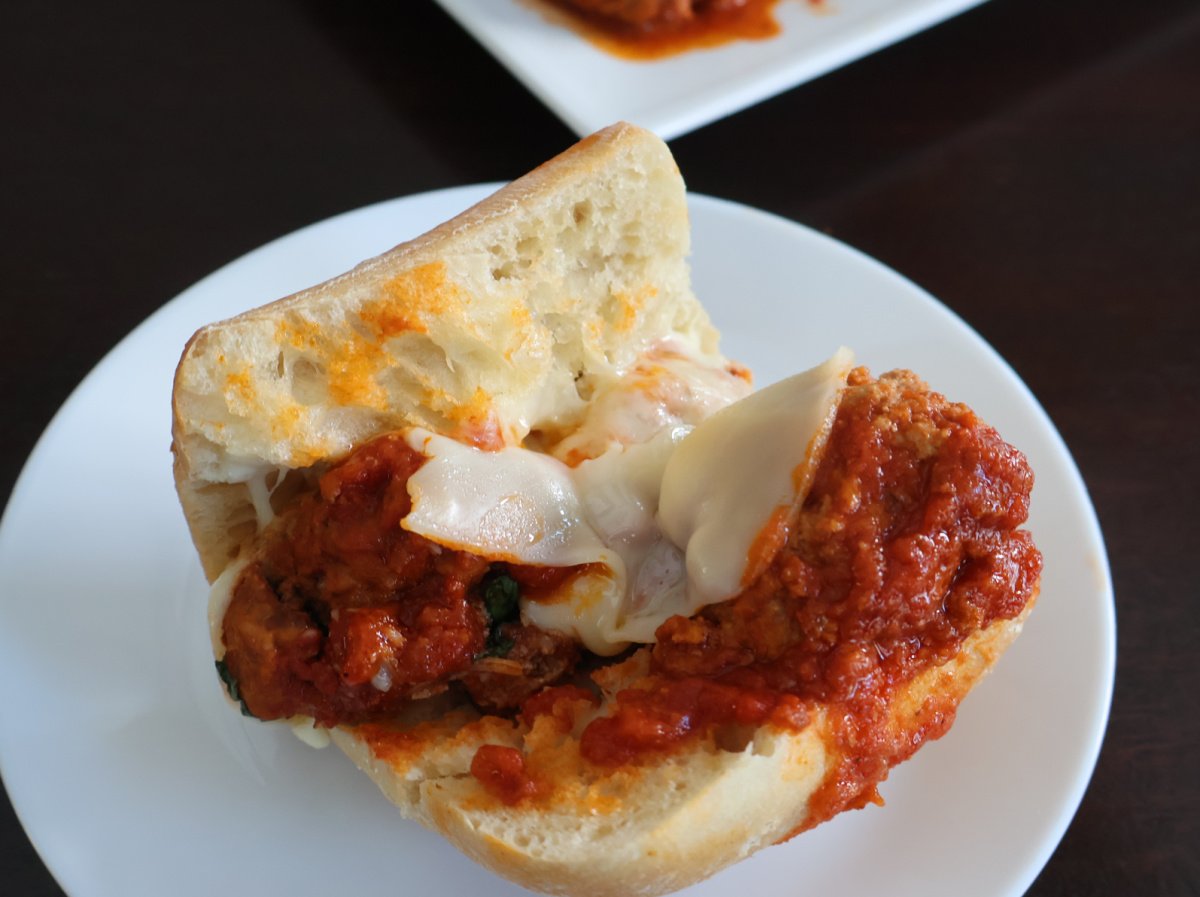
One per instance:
(588, 88)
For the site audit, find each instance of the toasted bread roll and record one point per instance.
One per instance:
(553, 326)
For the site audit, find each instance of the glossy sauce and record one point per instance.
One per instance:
(344, 616)
(501, 771)
(653, 720)
(750, 20)
(906, 546)
(711, 26)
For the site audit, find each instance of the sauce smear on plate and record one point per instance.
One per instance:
(653, 30)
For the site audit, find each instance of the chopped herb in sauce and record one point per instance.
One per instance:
(231, 686)
(502, 600)
(501, 597)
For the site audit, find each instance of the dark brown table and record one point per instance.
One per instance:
(1035, 165)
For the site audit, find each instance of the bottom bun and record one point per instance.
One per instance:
(671, 821)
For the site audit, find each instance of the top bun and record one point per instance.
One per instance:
(498, 323)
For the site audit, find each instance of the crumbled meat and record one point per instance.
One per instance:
(537, 658)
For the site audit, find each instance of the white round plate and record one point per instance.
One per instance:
(134, 777)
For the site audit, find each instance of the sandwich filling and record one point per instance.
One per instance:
(893, 538)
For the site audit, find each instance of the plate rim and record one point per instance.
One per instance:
(472, 193)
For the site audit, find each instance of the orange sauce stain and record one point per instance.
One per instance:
(285, 421)
(238, 383)
(770, 539)
(353, 362)
(409, 298)
(352, 375)
(477, 423)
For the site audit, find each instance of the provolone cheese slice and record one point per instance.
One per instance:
(670, 386)
(512, 505)
(619, 495)
(667, 525)
(738, 468)
(526, 507)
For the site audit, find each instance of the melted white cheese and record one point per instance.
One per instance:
(627, 601)
(220, 593)
(305, 728)
(255, 475)
(668, 524)
(510, 505)
(670, 386)
(738, 468)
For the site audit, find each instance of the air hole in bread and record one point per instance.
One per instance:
(421, 363)
(501, 271)
(511, 268)
(581, 211)
(528, 250)
(733, 739)
(280, 366)
(309, 384)
(585, 386)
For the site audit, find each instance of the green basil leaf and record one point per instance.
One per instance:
(231, 685)
(502, 599)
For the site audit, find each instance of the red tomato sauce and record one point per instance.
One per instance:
(655, 719)
(905, 547)
(556, 702)
(501, 771)
(345, 617)
(657, 29)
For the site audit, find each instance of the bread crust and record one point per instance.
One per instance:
(491, 327)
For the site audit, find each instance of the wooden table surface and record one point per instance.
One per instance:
(1035, 165)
